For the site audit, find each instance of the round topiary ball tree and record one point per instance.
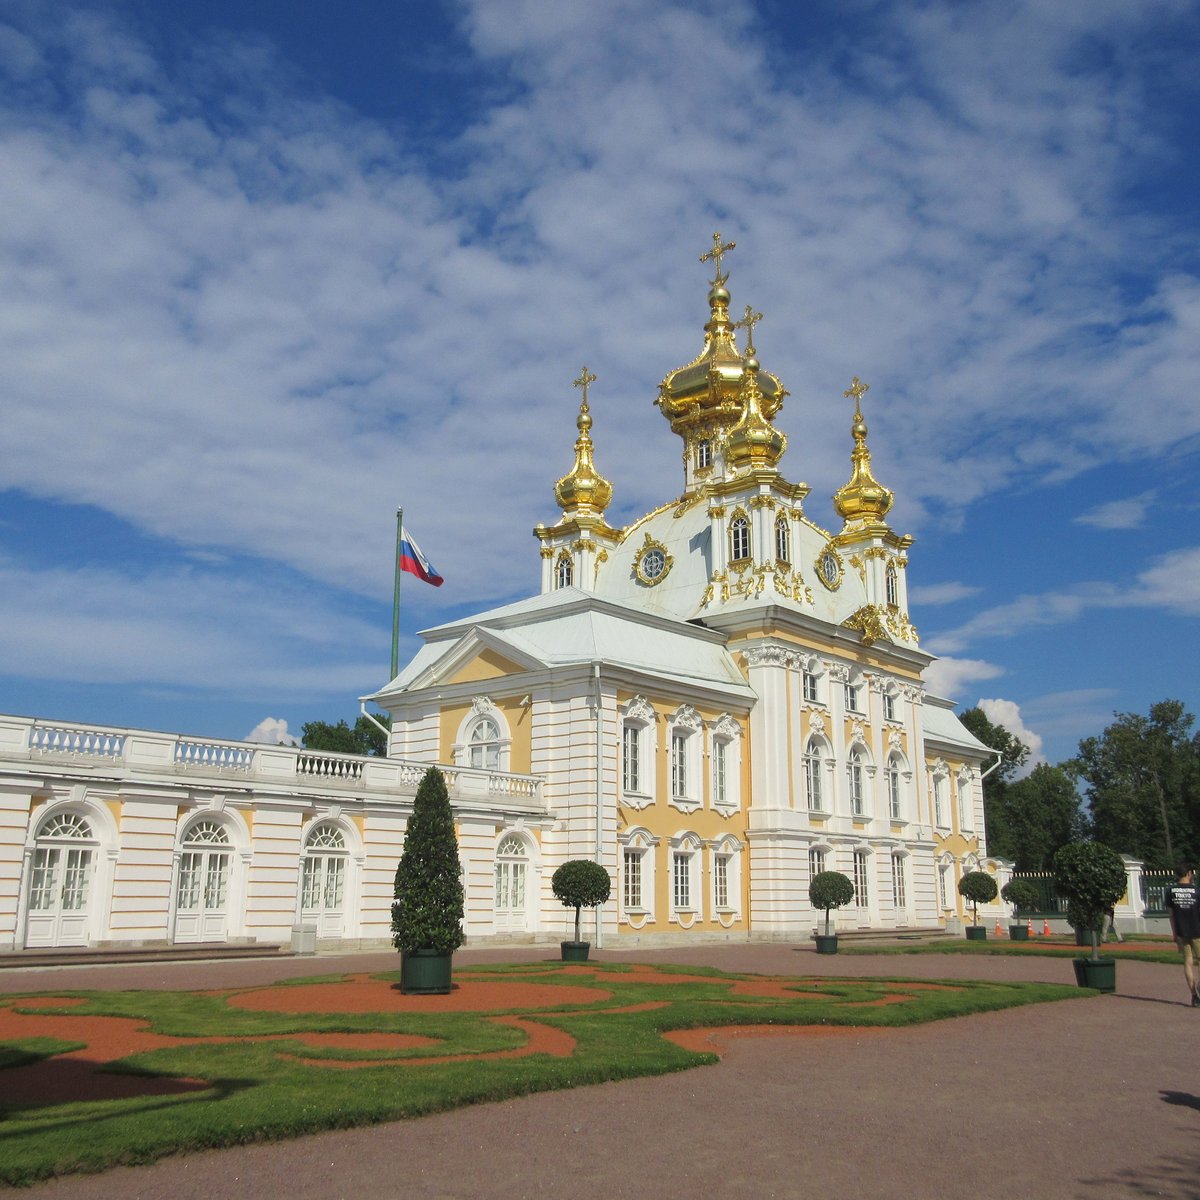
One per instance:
(579, 884)
(1092, 877)
(427, 910)
(829, 890)
(977, 887)
(1021, 893)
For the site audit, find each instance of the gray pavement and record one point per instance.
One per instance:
(1091, 1098)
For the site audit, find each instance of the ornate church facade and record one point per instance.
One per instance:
(715, 702)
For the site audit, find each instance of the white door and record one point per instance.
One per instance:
(323, 881)
(202, 886)
(512, 878)
(58, 896)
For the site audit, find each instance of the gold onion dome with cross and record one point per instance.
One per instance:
(864, 498)
(583, 488)
(705, 399)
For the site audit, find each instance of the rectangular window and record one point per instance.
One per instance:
(310, 890)
(812, 780)
(939, 800)
(816, 862)
(852, 697)
(898, 898)
(720, 790)
(188, 895)
(335, 882)
(964, 805)
(810, 686)
(860, 878)
(721, 880)
(893, 786)
(681, 880)
(633, 879)
(74, 892)
(216, 880)
(631, 774)
(942, 887)
(856, 789)
(889, 706)
(678, 765)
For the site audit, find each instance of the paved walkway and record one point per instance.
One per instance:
(1093, 1098)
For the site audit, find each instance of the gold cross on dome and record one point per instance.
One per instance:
(858, 390)
(715, 254)
(748, 323)
(584, 379)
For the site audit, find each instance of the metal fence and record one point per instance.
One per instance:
(1154, 889)
(1050, 903)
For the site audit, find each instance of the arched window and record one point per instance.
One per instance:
(483, 745)
(703, 454)
(890, 585)
(686, 900)
(564, 572)
(323, 878)
(512, 883)
(60, 882)
(899, 890)
(739, 538)
(854, 771)
(812, 774)
(637, 752)
(637, 877)
(783, 541)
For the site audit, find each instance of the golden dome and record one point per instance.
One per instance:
(864, 498)
(583, 488)
(753, 441)
(704, 396)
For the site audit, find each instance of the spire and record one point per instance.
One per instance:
(864, 498)
(753, 441)
(583, 488)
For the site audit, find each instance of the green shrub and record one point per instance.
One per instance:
(1021, 893)
(978, 887)
(427, 910)
(828, 890)
(1092, 877)
(580, 883)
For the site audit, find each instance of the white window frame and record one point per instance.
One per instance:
(888, 698)
(856, 782)
(725, 740)
(684, 859)
(638, 728)
(704, 454)
(493, 752)
(816, 755)
(861, 878)
(739, 538)
(818, 856)
(966, 801)
(725, 855)
(853, 691)
(564, 570)
(899, 883)
(637, 845)
(685, 741)
(940, 789)
(783, 540)
(894, 774)
(890, 587)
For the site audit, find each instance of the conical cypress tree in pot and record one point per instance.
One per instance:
(428, 907)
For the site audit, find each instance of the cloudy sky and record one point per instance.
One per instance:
(271, 268)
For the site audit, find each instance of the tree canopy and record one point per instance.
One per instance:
(360, 738)
(1143, 783)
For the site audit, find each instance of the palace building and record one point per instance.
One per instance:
(715, 702)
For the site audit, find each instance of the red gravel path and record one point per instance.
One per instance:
(1096, 1098)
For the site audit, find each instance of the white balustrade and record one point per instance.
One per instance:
(219, 756)
(76, 742)
(330, 766)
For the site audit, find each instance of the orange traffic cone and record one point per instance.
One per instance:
(1029, 927)
(1046, 927)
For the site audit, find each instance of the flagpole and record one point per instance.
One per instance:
(396, 597)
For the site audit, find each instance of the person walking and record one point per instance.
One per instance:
(1183, 907)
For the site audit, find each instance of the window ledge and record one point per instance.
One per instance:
(684, 803)
(636, 799)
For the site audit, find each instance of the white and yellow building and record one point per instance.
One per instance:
(715, 702)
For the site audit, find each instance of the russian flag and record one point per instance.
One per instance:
(415, 563)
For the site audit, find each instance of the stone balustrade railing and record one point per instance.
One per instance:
(146, 751)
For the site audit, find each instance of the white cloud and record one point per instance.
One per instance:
(272, 731)
(1008, 714)
(949, 676)
(1118, 514)
(934, 594)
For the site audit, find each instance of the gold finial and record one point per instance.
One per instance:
(858, 390)
(584, 379)
(748, 323)
(715, 254)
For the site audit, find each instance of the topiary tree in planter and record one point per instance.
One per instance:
(829, 890)
(1092, 877)
(579, 884)
(427, 910)
(977, 887)
(1020, 893)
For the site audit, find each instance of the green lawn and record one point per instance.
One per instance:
(1145, 951)
(249, 1089)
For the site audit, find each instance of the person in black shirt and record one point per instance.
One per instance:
(1183, 907)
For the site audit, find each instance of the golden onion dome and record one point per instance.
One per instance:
(753, 441)
(864, 498)
(705, 394)
(583, 488)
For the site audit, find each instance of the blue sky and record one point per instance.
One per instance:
(271, 269)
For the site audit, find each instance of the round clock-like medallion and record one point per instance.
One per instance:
(829, 569)
(652, 563)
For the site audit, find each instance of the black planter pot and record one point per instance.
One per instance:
(1098, 973)
(425, 973)
(826, 943)
(575, 951)
(976, 933)
(1018, 933)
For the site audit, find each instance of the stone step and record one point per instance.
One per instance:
(894, 935)
(70, 956)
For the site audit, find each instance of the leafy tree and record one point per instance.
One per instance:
(1092, 877)
(1021, 893)
(360, 738)
(995, 785)
(580, 883)
(830, 889)
(1143, 783)
(979, 888)
(427, 910)
(1042, 814)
